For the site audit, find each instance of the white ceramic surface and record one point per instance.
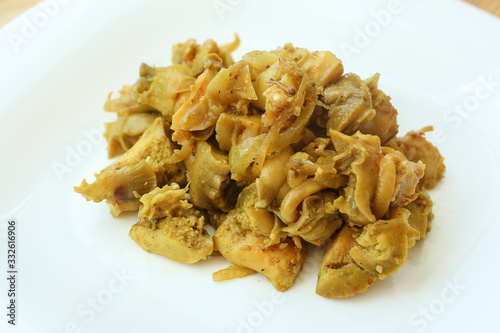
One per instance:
(78, 271)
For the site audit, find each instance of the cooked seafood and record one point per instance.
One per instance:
(278, 151)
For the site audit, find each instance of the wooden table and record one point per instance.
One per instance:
(9, 9)
(492, 6)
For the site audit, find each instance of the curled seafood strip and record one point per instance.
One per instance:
(136, 172)
(194, 114)
(318, 218)
(289, 98)
(385, 186)
(358, 157)
(416, 148)
(356, 256)
(208, 173)
(379, 177)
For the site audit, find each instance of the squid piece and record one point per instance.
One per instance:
(397, 181)
(358, 158)
(272, 177)
(385, 185)
(136, 172)
(318, 219)
(316, 160)
(291, 52)
(305, 204)
(258, 220)
(339, 275)
(169, 90)
(127, 103)
(232, 129)
(194, 115)
(288, 209)
(308, 207)
(356, 257)
(379, 177)
(382, 247)
(242, 159)
(155, 148)
(210, 183)
(120, 188)
(288, 97)
(323, 67)
(231, 90)
(244, 156)
(259, 61)
(349, 104)
(415, 147)
(216, 91)
(421, 214)
(279, 263)
(244, 239)
(133, 117)
(408, 175)
(126, 130)
(194, 55)
(385, 123)
(281, 90)
(171, 226)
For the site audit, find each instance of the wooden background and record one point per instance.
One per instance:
(9, 9)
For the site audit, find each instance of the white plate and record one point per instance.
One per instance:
(78, 271)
